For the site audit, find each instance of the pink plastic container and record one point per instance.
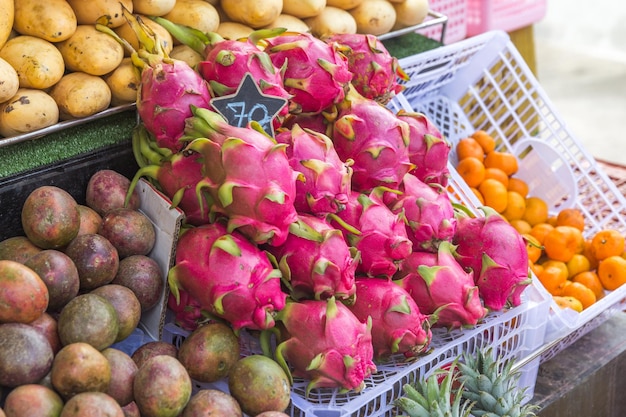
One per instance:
(455, 11)
(508, 15)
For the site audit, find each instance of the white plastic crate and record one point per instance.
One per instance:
(513, 334)
(456, 28)
(508, 15)
(483, 83)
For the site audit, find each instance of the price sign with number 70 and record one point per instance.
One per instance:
(249, 104)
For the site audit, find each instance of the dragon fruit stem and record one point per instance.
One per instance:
(192, 37)
(143, 33)
(344, 224)
(106, 29)
(146, 150)
(301, 229)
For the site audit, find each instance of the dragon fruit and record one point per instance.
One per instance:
(316, 261)
(441, 287)
(315, 72)
(378, 233)
(187, 310)
(398, 326)
(247, 175)
(319, 122)
(168, 87)
(226, 61)
(428, 149)
(376, 72)
(496, 253)
(428, 211)
(375, 139)
(325, 343)
(177, 177)
(327, 178)
(230, 277)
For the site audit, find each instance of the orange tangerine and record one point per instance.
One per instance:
(540, 230)
(568, 302)
(591, 280)
(552, 220)
(515, 206)
(505, 161)
(486, 141)
(607, 242)
(469, 147)
(588, 251)
(521, 226)
(552, 279)
(536, 268)
(497, 174)
(579, 291)
(494, 193)
(472, 170)
(536, 210)
(518, 185)
(562, 266)
(577, 264)
(562, 242)
(612, 272)
(571, 217)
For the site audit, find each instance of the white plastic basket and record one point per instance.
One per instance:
(456, 28)
(513, 334)
(483, 83)
(507, 15)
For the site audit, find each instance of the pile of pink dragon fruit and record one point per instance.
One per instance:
(337, 235)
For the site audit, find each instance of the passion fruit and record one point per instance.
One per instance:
(50, 217)
(209, 352)
(259, 384)
(23, 294)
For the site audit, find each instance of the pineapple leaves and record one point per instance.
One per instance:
(479, 383)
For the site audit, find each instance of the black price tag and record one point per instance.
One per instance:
(249, 104)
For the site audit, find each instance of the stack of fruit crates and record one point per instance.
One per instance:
(483, 83)
(456, 27)
(506, 15)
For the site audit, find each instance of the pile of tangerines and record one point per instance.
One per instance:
(577, 270)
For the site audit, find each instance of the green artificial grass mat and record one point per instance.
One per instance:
(67, 143)
(117, 128)
(409, 44)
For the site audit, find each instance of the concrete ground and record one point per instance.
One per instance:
(581, 64)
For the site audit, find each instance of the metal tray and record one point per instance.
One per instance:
(11, 140)
(432, 19)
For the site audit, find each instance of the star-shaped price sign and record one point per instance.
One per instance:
(249, 104)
